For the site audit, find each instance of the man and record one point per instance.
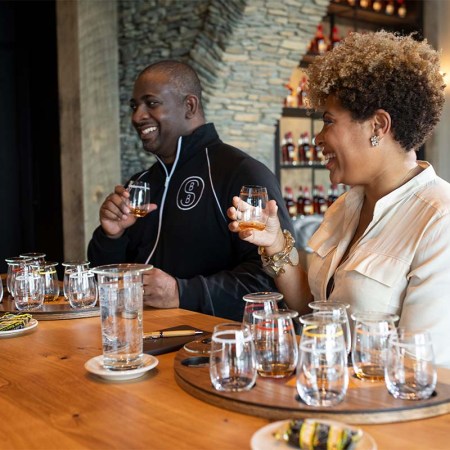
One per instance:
(199, 264)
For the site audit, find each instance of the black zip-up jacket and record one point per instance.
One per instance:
(213, 267)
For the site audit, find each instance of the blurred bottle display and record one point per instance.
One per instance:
(307, 203)
(365, 3)
(401, 8)
(390, 7)
(318, 45)
(377, 5)
(335, 39)
(291, 206)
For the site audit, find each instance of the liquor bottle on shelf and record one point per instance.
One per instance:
(307, 149)
(318, 45)
(291, 206)
(364, 3)
(334, 38)
(318, 153)
(284, 151)
(389, 8)
(401, 8)
(300, 201)
(319, 201)
(351, 2)
(333, 194)
(301, 93)
(308, 207)
(301, 156)
(291, 148)
(377, 5)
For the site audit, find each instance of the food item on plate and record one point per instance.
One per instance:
(10, 321)
(315, 435)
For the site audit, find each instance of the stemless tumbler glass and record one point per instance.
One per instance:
(251, 210)
(322, 374)
(369, 348)
(259, 301)
(70, 267)
(276, 347)
(82, 289)
(47, 270)
(28, 290)
(232, 358)
(410, 373)
(15, 265)
(339, 312)
(139, 200)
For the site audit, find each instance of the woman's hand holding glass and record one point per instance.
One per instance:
(272, 233)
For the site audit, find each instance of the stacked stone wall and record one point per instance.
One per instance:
(243, 50)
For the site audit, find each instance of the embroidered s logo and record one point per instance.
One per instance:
(190, 193)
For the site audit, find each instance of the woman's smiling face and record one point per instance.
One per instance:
(346, 145)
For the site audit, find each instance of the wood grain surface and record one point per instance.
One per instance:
(49, 401)
(364, 403)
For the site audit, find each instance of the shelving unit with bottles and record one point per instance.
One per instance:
(342, 16)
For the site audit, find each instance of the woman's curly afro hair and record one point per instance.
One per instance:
(383, 70)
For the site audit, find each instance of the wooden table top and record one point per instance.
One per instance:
(49, 401)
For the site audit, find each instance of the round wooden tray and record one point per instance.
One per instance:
(365, 402)
(57, 310)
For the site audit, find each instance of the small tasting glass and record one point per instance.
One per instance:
(410, 373)
(232, 359)
(139, 200)
(322, 374)
(47, 270)
(251, 211)
(82, 289)
(28, 290)
(339, 313)
(70, 267)
(257, 302)
(369, 347)
(15, 265)
(35, 257)
(276, 347)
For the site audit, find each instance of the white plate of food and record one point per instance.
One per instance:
(95, 366)
(32, 323)
(274, 435)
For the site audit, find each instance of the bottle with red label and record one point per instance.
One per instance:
(308, 207)
(301, 157)
(300, 201)
(333, 194)
(334, 38)
(291, 148)
(291, 206)
(308, 149)
(319, 45)
(284, 151)
(301, 93)
(320, 203)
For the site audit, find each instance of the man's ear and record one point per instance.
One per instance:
(381, 123)
(191, 106)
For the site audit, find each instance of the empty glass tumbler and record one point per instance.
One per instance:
(82, 289)
(369, 347)
(15, 265)
(70, 267)
(28, 290)
(410, 373)
(322, 374)
(276, 347)
(232, 359)
(339, 312)
(259, 301)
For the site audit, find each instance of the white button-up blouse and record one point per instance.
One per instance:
(401, 264)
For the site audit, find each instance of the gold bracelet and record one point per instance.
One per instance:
(273, 265)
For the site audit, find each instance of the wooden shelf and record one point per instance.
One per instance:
(301, 112)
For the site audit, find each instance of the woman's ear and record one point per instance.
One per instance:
(381, 123)
(191, 106)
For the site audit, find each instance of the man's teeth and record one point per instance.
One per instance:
(329, 156)
(149, 130)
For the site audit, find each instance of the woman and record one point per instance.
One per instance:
(385, 244)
